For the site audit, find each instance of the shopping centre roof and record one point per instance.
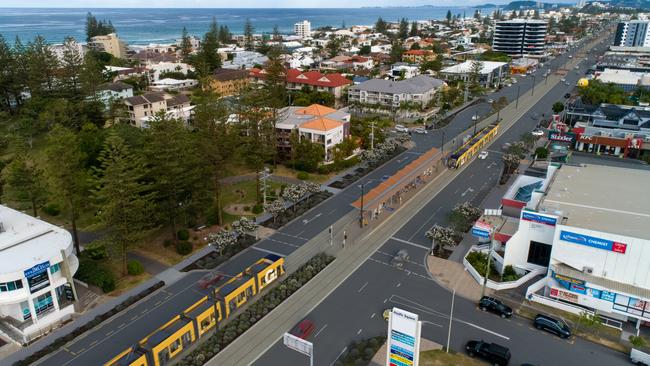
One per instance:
(603, 198)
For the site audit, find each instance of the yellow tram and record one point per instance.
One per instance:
(169, 341)
(472, 146)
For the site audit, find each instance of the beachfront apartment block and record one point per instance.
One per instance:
(109, 43)
(520, 37)
(302, 29)
(37, 262)
(316, 123)
(143, 108)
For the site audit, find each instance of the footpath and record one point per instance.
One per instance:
(266, 332)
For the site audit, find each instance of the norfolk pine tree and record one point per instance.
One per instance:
(23, 183)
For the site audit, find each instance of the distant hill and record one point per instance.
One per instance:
(525, 4)
(486, 6)
(636, 4)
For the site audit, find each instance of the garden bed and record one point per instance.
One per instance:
(61, 341)
(361, 352)
(296, 210)
(213, 259)
(256, 311)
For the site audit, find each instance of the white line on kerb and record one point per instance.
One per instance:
(362, 287)
(483, 329)
(409, 243)
(337, 357)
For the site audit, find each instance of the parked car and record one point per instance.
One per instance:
(563, 80)
(429, 126)
(401, 128)
(639, 357)
(491, 352)
(567, 95)
(537, 133)
(490, 101)
(421, 131)
(475, 117)
(304, 329)
(495, 305)
(482, 155)
(552, 325)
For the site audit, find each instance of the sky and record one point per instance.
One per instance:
(230, 4)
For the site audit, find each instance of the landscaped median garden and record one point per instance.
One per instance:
(236, 326)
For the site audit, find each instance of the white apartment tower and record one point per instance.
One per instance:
(302, 29)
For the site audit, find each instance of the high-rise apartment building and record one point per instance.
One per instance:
(633, 33)
(520, 37)
(302, 29)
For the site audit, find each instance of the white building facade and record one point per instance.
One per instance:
(302, 29)
(37, 263)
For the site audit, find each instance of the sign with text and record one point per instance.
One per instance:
(298, 344)
(478, 232)
(563, 295)
(593, 242)
(561, 137)
(540, 219)
(403, 338)
(37, 269)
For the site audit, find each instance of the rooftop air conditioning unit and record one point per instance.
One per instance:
(588, 270)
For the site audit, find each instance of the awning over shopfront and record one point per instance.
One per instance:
(615, 286)
(392, 186)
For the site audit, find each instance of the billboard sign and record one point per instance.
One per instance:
(561, 294)
(298, 344)
(403, 338)
(481, 233)
(540, 219)
(593, 242)
(37, 269)
(561, 137)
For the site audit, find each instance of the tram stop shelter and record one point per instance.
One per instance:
(389, 193)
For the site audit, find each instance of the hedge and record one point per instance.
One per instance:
(61, 341)
(95, 274)
(256, 311)
(361, 352)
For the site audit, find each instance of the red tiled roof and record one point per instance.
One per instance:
(314, 78)
(418, 52)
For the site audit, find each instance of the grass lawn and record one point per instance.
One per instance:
(441, 358)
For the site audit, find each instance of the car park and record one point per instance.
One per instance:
(401, 128)
(552, 325)
(483, 155)
(496, 306)
(491, 352)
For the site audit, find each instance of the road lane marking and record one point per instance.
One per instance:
(409, 243)
(337, 357)
(483, 329)
(109, 333)
(93, 343)
(385, 301)
(269, 251)
(432, 323)
(425, 223)
(373, 315)
(321, 329)
(362, 287)
(399, 284)
(283, 242)
(359, 331)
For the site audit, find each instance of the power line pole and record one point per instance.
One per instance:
(487, 269)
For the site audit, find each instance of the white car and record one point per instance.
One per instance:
(401, 128)
(420, 130)
(490, 100)
(475, 117)
(563, 80)
(537, 133)
(482, 155)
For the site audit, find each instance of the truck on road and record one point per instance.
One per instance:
(640, 357)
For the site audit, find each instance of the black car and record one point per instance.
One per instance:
(552, 325)
(567, 95)
(495, 305)
(491, 352)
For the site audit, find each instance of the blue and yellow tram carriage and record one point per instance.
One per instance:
(169, 341)
(472, 146)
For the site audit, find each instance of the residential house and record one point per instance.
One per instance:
(418, 56)
(149, 58)
(402, 70)
(121, 73)
(227, 82)
(109, 43)
(245, 60)
(319, 124)
(392, 94)
(156, 69)
(110, 92)
(169, 84)
(348, 62)
(60, 49)
(333, 83)
(492, 73)
(143, 108)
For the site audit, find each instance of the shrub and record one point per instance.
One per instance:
(257, 209)
(509, 274)
(541, 152)
(91, 272)
(183, 247)
(183, 234)
(52, 209)
(638, 342)
(96, 250)
(302, 175)
(134, 267)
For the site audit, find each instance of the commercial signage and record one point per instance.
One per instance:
(558, 293)
(403, 338)
(37, 269)
(572, 280)
(298, 344)
(561, 137)
(480, 233)
(540, 219)
(593, 242)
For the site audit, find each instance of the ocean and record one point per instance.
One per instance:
(144, 26)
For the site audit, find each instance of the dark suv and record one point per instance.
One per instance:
(491, 352)
(552, 325)
(495, 305)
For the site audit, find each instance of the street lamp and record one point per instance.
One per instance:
(362, 186)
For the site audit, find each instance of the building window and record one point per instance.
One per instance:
(43, 303)
(55, 268)
(38, 281)
(539, 253)
(11, 286)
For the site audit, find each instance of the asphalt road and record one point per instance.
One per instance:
(101, 344)
(354, 310)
